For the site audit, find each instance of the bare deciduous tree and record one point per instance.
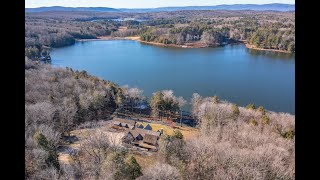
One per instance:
(160, 171)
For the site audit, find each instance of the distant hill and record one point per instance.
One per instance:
(60, 8)
(263, 7)
(256, 7)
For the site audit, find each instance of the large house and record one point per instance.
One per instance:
(137, 134)
(142, 138)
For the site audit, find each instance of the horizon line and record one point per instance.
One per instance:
(155, 7)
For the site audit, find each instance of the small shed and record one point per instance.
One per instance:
(148, 127)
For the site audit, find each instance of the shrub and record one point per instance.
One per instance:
(251, 106)
(53, 160)
(51, 98)
(53, 79)
(261, 110)
(41, 140)
(289, 134)
(235, 110)
(277, 128)
(117, 164)
(120, 167)
(265, 120)
(177, 134)
(216, 99)
(132, 168)
(253, 122)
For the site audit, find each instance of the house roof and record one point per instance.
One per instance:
(127, 121)
(124, 122)
(151, 139)
(143, 132)
(148, 127)
(134, 133)
(128, 138)
(141, 126)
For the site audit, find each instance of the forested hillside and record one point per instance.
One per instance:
(56, 101)
(233, 143)
(261, 29)
(44, 33)
(267, 31)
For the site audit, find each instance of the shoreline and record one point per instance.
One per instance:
(262, 49)
(198, 45)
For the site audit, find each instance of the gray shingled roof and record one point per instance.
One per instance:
(148, 127)
(143, 132)
(141, 126)
(150, 139)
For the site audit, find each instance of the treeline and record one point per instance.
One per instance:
(269, 30)
(260, 33)
(163, 21)
(188, 34)
(273, 39)
(42, 33)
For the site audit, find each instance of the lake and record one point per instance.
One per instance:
(232, 72)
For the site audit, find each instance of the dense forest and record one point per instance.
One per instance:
(234, 142)
(267, 31)
(261, 29)
(44, 33)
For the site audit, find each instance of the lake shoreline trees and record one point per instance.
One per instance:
(190, 45)
(249, 46)
(234, 141)
(263, 30)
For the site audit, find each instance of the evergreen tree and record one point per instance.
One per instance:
(133, 169)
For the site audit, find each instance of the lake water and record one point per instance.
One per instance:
(233, 72)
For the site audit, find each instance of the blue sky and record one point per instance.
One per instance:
(144, 3)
